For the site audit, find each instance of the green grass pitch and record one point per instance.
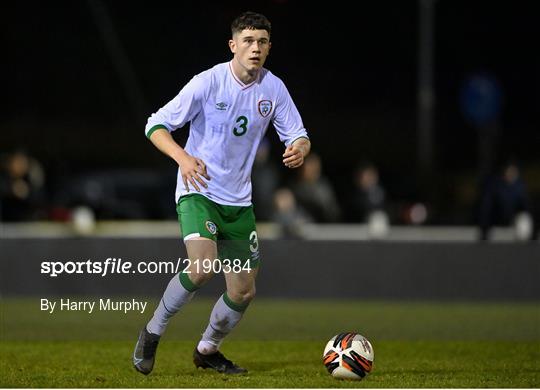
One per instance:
(280, 341)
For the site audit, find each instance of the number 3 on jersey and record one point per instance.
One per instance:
(241, 127)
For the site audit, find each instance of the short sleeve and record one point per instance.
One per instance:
(180, 110)
(286, 119)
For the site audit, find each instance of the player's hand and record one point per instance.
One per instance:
(193, 169)
(293, 156)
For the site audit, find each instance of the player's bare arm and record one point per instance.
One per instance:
(191, 168)
(296, 152)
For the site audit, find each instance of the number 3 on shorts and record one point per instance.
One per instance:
(254, 244)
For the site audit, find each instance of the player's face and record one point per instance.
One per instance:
(250, 48)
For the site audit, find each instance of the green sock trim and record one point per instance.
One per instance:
(187, 283)
(154, 128)
(235, 306)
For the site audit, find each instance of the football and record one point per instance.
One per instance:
(348, 356)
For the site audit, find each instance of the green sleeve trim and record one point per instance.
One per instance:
(154, 128)
(187, 283)
(235, 306)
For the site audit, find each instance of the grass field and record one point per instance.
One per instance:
(280, 342)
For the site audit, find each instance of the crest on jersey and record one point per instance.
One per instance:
(265, 107)
(211, 227)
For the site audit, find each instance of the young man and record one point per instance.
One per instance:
(229, 108)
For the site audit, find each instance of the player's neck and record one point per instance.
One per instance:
(242, 73)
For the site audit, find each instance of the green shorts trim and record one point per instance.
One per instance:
(232, 227)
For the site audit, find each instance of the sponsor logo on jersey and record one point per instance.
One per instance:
(211, 227)
(221, 106)
(265, 107)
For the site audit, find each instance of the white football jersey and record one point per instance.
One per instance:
(228, 121)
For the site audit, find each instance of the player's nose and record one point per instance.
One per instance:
(255, 48)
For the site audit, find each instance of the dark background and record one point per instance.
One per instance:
(352, 72)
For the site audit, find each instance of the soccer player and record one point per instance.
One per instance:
(229, 108)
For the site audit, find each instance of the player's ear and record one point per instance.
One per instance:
(232, 46)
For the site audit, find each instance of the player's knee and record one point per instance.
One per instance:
(248, 295)
(199, 279)
(242, 295)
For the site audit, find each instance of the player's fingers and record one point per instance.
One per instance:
(185, 183)
(292, 157)
(289, 160)
(197, 177)
(202, 169)
(294, 163)
(194, 184)
(298, 163)
(201, 163)
(288, 151)
(203, 172)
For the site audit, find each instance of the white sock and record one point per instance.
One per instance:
(225, 315)
(174, 297)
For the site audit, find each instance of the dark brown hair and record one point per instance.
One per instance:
(250, 21)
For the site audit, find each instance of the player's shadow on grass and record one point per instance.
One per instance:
(252, 368)
(280, 366)
(260, 367)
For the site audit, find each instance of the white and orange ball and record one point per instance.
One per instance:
(348, 356)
